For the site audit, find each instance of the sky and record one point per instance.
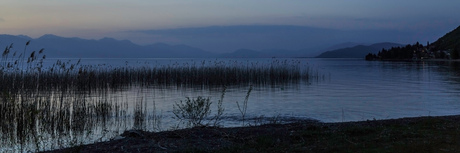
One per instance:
(123, 19)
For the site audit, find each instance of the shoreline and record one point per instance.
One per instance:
(411, 134)
(418, 60)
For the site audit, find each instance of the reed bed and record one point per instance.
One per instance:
(88, 78)
(66, 103)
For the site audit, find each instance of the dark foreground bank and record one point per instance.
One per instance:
(421, 134)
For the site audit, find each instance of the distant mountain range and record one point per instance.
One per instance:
(56, 46)
(358, 51)
(62, 47)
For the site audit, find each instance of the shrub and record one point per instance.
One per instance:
(193, 110)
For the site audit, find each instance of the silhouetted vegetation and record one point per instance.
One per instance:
(415, 51)
(218, 73)
(446, 47)
(65, 104)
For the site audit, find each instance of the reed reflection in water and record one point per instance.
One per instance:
(70, 104)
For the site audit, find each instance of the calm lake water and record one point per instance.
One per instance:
(346, 90)
(350, 90)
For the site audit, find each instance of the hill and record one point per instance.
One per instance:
(449, 41)
(358, 51)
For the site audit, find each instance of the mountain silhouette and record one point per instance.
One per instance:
(59, 47)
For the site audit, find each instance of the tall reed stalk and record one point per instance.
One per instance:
(243, 108)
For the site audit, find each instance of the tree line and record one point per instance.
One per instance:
(416, 52)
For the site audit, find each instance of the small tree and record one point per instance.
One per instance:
(193, 110)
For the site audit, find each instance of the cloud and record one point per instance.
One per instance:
(2, 20)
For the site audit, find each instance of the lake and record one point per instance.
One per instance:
(342, 90)
(349, 90)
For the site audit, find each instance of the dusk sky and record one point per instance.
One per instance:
(124, 19)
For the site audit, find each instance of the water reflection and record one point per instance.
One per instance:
(71, 104)
(339, 90)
